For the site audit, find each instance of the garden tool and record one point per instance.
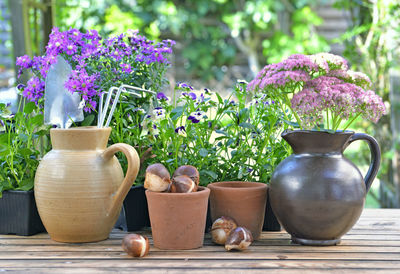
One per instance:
(103, 109)
(61, 107)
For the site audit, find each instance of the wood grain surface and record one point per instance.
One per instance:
(372, 246)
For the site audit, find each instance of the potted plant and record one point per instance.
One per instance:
(237, 138)
(316, 193)
(20, 151)
(98, 64)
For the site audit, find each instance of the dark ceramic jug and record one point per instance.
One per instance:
(316, 193)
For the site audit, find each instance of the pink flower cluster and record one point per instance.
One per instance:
(320, 84)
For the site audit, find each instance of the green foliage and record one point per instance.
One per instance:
(372, 45)
(212, 32)
(19, 147)
(224, 139)
(301, 40)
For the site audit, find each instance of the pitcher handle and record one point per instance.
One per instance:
(375, 157)
(130, 176)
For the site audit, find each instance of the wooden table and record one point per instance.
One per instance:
(373, 245)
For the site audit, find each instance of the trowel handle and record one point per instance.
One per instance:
(130, 176)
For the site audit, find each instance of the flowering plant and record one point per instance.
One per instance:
(318, 88)
(98, 63)
(225, 139)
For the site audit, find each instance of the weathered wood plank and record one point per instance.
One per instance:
(215, 255)
(259, 247)
(220, 264)
(205, 269)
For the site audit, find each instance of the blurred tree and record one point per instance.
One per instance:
(212, 32)
(371, 45)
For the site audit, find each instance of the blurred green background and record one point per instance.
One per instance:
(219, 41)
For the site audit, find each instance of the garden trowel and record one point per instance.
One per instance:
(61, 107)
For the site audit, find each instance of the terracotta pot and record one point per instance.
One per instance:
(316, 193)
(243, 201)
(80, 186)
(178, 219)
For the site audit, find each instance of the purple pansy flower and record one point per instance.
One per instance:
(191, 95)
(161, 96)
(181, 131)
(196, 116)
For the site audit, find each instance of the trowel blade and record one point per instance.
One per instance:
(61, 107)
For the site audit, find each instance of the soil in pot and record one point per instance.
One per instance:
(243, 201)
(178, 219)
(18, 213)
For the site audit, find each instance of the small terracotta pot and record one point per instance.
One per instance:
(178, 219)
(243, 201)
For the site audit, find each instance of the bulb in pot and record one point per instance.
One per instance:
(188, 170)
(238, 239)
(182, 184)
(157, 178)
(136, 245)
(221, 229)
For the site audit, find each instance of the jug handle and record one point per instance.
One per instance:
(131, 173)
(375, 156)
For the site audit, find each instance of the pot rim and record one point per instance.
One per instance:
(249, 185)
(201, 190)
(287, 131)
(84, 128)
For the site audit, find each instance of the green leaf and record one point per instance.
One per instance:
(40, 133)
(176, 113)
(246, 125)
(25, 152)
(37, 120)
(221, 132)
(203, 152)
(26, 185)
(219, 98)
(23, 137)
(244, 114)
(88, 120)
(210, 173)
(29, 107)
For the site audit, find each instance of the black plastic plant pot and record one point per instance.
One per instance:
(135, 210)
(18, 213)
(270, 221)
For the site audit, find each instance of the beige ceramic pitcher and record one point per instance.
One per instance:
(80, 185)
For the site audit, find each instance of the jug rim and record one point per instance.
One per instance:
(86, 128)
(337, 132)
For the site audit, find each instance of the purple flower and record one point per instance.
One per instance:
(34, 89)
(181, 131)
(191, 95)
(126, 68)
(159, 113)
(70, 49)
(184, 86)
(161, 96)
(24, 61)
(196, 116)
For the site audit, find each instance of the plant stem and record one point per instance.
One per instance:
(351, 121)
(296, 116)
